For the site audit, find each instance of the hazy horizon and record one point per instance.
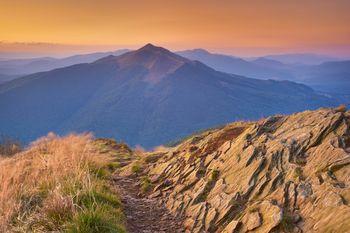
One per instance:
(17, 50)
(240, 28)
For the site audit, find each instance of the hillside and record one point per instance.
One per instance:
(148, 96)
(5, 78)
(280, 174)
(61, 185)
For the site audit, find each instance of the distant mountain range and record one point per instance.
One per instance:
(148, 97)
(311, 69)
(301, 58)
(34, 65)
(235, 65)
(329, 77)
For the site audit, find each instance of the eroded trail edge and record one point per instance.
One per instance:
(144, 214)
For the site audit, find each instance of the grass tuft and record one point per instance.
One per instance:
(100, 219)
(146, 184)
(136, 167)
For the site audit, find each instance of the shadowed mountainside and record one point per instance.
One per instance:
(149, 96)
(234, 65)
(331, 77)
(5, 78)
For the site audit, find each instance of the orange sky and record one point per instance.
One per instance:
(250, 26)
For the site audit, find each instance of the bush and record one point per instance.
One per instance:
(9, 146)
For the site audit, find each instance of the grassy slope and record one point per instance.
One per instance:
(61, 185)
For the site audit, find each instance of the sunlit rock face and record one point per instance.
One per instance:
(281, 174)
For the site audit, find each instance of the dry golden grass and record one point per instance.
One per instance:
(45, 187)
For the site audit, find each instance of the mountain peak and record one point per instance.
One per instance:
(159, 62)
(149, 46)
(201, 51)
(198, 51)
(156, 50)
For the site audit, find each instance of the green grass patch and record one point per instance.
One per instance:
(215, 175)
(287, 223)
(100, 172)
(99, 195)
(136, 167)
(298, 173)
(146, 185)
(208, 187)
(82, 208)
(113, 166)
(102, 219)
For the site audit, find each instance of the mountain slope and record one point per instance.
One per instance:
(280, 174)
(6, 78)
(149, 96)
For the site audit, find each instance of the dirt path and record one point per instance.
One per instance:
(144, 215)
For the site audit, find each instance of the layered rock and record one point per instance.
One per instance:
(280, 174)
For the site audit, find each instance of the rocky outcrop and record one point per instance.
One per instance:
(280, 174)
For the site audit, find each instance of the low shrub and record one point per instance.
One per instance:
(9, 146)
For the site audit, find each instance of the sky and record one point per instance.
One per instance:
(246, 28)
